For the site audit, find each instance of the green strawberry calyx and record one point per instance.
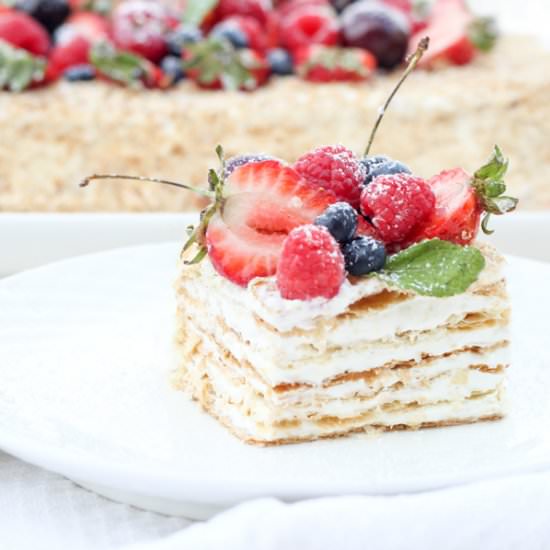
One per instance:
(489, 186)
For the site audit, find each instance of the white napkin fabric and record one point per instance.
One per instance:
(494, 515)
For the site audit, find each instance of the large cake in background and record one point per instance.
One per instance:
(92, 107)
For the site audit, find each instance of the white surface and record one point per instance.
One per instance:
(31, 240)
(86, 353)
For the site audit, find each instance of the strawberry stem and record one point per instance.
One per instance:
(201, 192)
(412, 62)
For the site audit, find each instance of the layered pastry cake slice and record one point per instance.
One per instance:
(375, 356)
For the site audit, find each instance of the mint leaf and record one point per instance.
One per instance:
(19, 68)
(197, 10)
(124, 67)
(434, 268)
(483, 33)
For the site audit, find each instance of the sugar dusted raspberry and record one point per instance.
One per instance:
(311, 264)
(336, 168)
(397, 204)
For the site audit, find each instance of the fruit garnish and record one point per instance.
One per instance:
(364, 255)
(309, 24)
(461, 200)
(140, 26)
(396, 204)
(215, 63)
(310, 264)
(242, 32)
(19, 69)
(340, 219)
(280, 61)
(22, 31)
(379, 165)
(378, 28)
(49, 13)
(336, 168)
(256, 9)
(240, 160)
(330, 64)
(89, 25)
(71, 53)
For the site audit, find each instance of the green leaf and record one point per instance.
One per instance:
(434, 268)
(197, 10)
(123, 67)
(483, 33)
(501, 205)
(495, 168)
(18, 68)
(198, 257)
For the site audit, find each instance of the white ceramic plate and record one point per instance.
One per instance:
(85, 355)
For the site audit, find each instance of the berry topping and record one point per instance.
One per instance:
(172, 68)
(20, 69)
(397, 204)
(460, 200)
(336, 168)
(364, 255)
(22, 31)
(341, 221)
(79, 73)
(256, 9)
(311, 265)
(280, 61)
(378, 28)
(330, 64)
(382, 165)
(49, 13)
(240, 160)
(89, 25)
(74, 52)
(366, 229)
(265, 201)
(232, 33)
(180, 37)
(307, 25)
(139, 26)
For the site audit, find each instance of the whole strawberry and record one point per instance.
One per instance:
(336, 168)
(311, 264)
(397, 204)
(140, 26)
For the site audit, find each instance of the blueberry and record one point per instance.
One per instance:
(50, 13)
(181, 37)
(364, 255)
(340, 219)
(240, 160)
(280, 61)
(376, 27)
(381, 165)
(171, 66)
(79, 73)
(231, 33)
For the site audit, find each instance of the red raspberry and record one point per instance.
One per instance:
(336, 168)
(397, 204)
(22, 31)
(308, 25)
(366, 229)
(311, 264)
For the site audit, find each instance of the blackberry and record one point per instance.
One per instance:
(364, 255)
(49, 13)
(340, 219)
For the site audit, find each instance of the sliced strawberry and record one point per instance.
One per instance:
(447, 28)
(457, 214)
(265, 201)
(63, 56)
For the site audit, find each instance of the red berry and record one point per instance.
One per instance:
(336, 168)
(89, 25)
(447, 28)
(257, 9)
(331, 64)
(456, 214)
(366, 229)
(397, 204)
(140, 26)
(308, 25)
(74, 52)
(22, 31)
(284, 8)
(311, 264)
(265, 201)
